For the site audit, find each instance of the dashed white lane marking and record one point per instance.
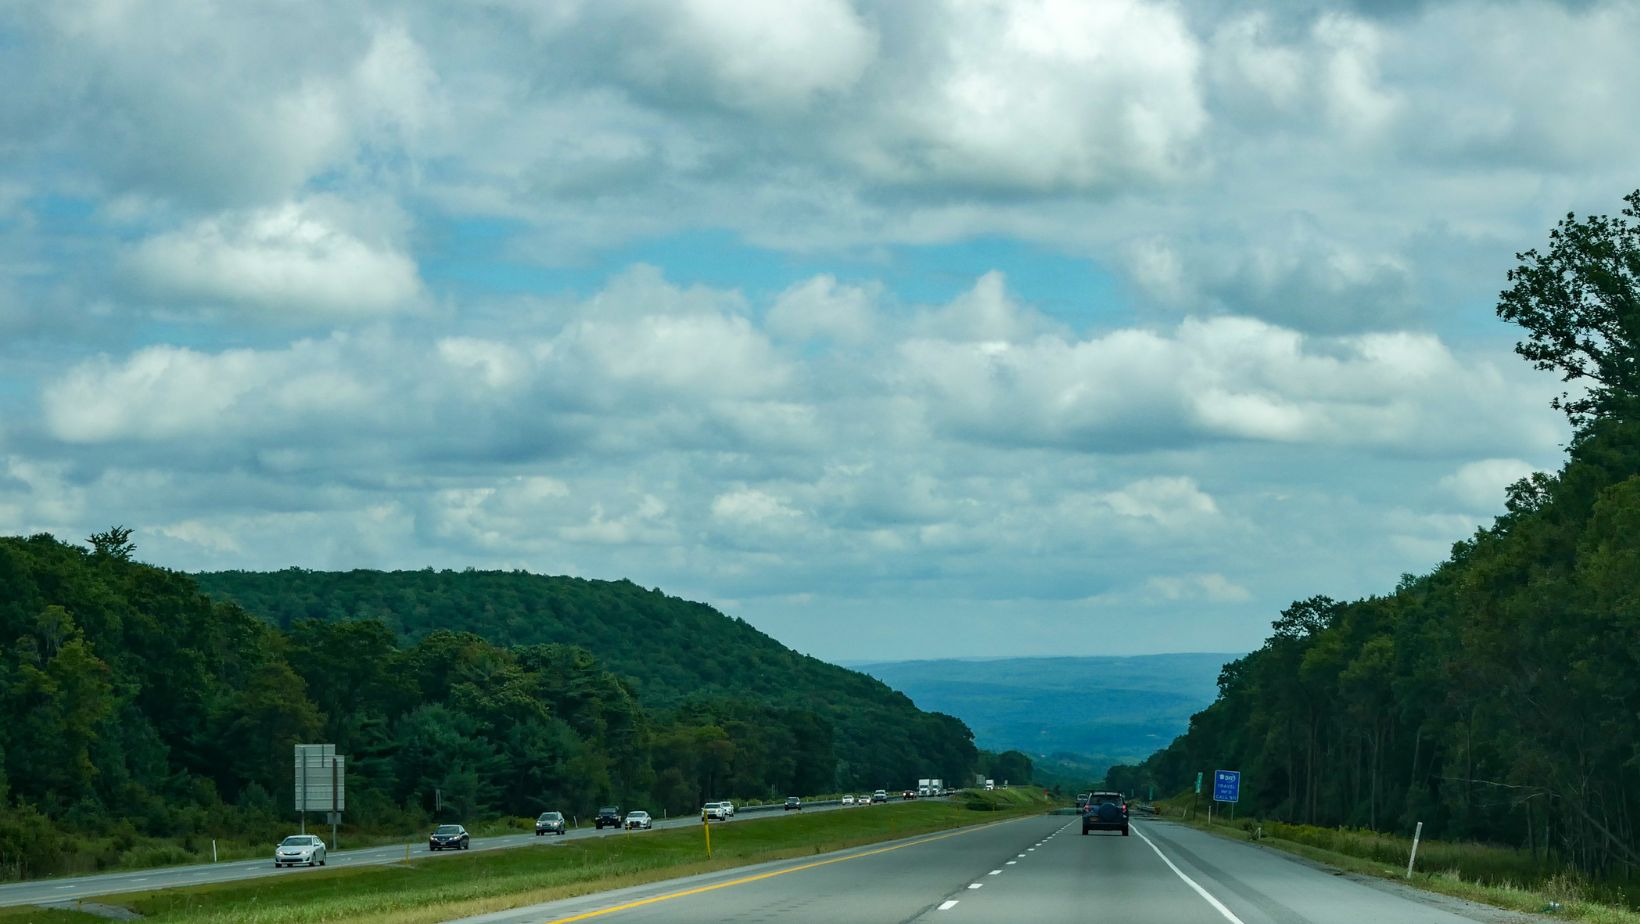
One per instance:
(1217, 905)
(947, 905)
(995, 872)
(1010, 863)
(975, 885)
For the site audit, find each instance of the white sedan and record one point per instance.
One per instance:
(299, 848)
(848, 800)
(639, 819)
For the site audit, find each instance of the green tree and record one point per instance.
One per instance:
(1580, 306)
(115, 543)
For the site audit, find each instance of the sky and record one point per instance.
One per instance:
(899, 330)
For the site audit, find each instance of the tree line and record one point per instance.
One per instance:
(1497, 696)
(138, 704)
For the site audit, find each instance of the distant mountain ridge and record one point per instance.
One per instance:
(1103, 710)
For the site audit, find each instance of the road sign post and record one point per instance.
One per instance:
(320, 784)
(1227, 788)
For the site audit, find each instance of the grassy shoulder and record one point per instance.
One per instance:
(48, 916)
(1503, 877)
(445, 887)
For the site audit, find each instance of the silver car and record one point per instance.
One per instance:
(299, 848)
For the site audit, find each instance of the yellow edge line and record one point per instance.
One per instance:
(586, 915)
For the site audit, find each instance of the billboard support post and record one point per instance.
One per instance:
(320, 785)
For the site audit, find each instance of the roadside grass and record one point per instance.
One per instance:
(440, 888)
(30, 915)
(1503, 877)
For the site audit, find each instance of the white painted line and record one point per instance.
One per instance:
(1217, 905)
(995, 872)
(1022, 856)
(947, 905)
(1010, 863)
(975, 885)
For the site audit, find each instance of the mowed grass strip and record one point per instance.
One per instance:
(48, 916)
(444, 887)
(1504, 877)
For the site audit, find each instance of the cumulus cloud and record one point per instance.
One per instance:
(1212, 588)
(1478, 487)
(1219, 378)
(284, 262)
(761, 58)
(820, 307)
(1043, 96)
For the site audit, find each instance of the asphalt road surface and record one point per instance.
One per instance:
(48, 891)
(1039, 870)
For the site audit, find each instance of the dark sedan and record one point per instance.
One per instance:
(453, 837)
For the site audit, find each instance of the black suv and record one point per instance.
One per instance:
(792, 802)
(608, 817)
(1106, 811)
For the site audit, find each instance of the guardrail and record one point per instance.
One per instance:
(743, 809)
(771, 806)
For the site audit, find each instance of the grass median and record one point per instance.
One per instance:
(450, 886)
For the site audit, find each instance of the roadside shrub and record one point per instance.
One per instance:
(30, 845)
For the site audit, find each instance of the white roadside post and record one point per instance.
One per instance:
(1416, 833)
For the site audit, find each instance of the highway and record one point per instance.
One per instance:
(65, 889)
(1039, 869)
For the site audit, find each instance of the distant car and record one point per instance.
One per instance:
(848, 800)
(1106, 811)
(792, 802)
(728, 808)
(299, 848)
(550, 823)
(909, 794)
(863, 800)
(639, 819)
(608, 817)
(880, 795)
(1082, 799)
(714, 811)
(454, 837)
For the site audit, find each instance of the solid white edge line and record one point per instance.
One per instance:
(947, 905)
(1217, 905)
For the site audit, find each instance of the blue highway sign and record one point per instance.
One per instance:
(1226, 785)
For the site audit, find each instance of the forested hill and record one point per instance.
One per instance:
(1496, 696)
(665, 647)
(137, 705)
(668, 651)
